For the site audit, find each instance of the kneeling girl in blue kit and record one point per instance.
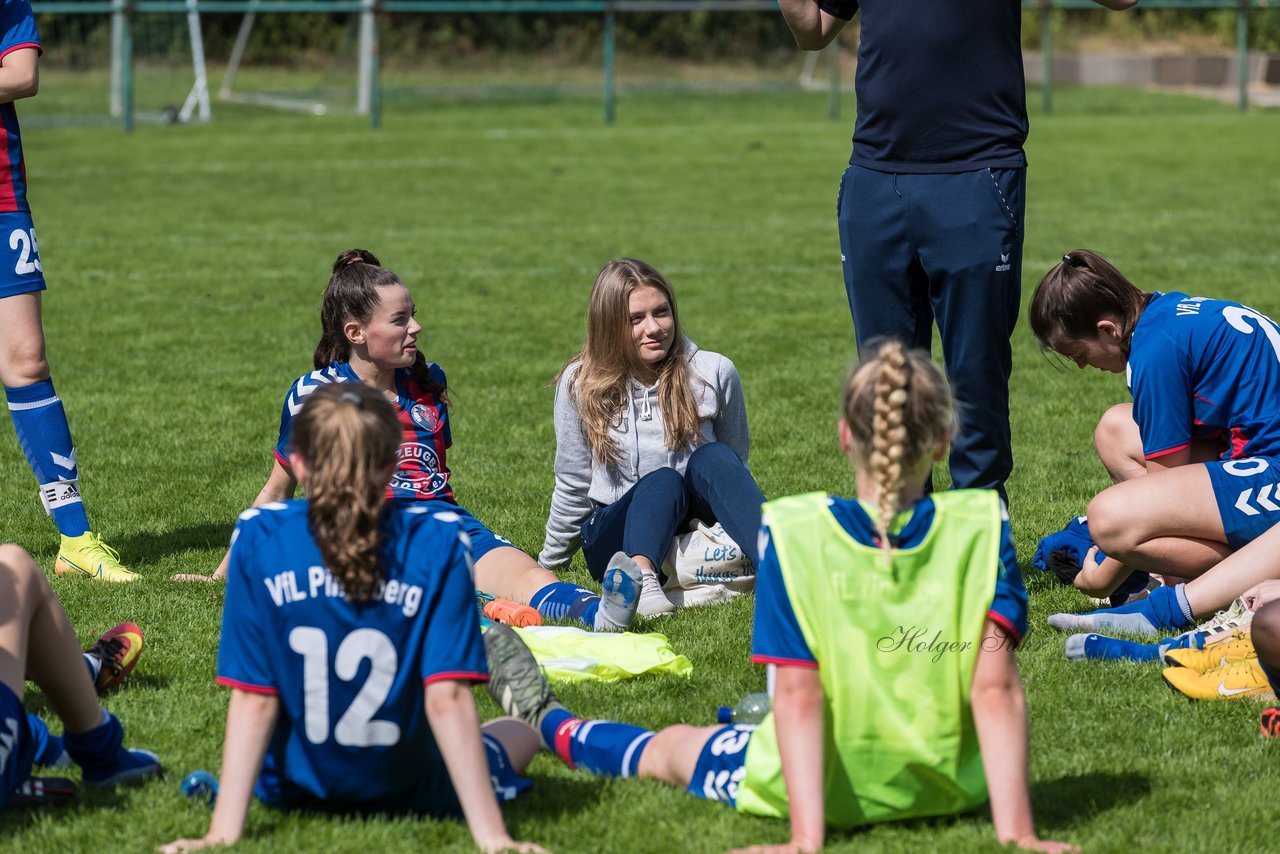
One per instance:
(1195, 458)
(318, 587)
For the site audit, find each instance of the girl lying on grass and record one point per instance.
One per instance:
(317, 587)
(891, 619)
(1196, 457)
(651, 432)
(369, 337)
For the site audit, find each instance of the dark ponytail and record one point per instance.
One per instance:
(352, 294)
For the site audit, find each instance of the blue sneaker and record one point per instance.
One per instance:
(1165, 610)
(131, 766)
(619, 594)
(103, 759)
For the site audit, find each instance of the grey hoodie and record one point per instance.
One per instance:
(641, 434)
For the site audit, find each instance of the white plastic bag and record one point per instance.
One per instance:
(705, 567)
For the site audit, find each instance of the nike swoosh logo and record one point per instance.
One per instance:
(1224, 691)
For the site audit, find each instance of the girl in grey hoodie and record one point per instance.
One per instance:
(650, 432)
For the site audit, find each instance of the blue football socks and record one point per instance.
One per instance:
(1165, 610)
(49, 750)
(41, 423)
(1095, 647)
(601, 747)
(560, 599)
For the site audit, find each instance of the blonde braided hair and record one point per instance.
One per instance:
(910, 408)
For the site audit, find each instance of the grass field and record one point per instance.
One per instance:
(185, 268)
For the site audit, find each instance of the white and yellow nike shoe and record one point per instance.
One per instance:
(1238, 681)
(89, 556)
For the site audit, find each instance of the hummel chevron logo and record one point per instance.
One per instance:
(68, 462)
(1263, 500)
(7, 737)
(307, 384)
(1224, 691)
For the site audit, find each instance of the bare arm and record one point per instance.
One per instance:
(451, 711)
(281, 485)
(797, 704)
(19, 75)
(813, 28)
(1000, 716)
(1100, 579)
(250, 720)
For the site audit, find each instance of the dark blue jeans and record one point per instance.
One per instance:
(716, 487)
(916, 248)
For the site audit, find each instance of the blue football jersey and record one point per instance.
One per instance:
(1205, 368)
(421, 473)
(19, 33)
(776, 636)
(352, 732)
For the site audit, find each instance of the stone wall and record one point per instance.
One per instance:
(1156, 70)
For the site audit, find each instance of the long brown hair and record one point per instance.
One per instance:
(609, 360)
(1080, 290)
(348, 435)
(352, 294)
(897, 405)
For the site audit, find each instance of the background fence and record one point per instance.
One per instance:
(373, 16)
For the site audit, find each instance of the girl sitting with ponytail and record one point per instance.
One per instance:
(317, 587)
(369, 336)
(891, 619)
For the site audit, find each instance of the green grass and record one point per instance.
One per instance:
(186, 265)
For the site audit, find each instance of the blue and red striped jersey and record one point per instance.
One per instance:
(421, 473)
(19, 34)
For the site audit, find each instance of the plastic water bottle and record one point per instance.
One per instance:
(200, 786)
(751, 709)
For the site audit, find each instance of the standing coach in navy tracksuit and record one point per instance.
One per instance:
(931, 207)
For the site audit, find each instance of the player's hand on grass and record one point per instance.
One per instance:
(506, 843)
(180, 845)
(196, 576)
(1034, 843)
(784, 848)
(1261, 593)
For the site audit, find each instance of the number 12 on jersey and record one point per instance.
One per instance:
(356, 727)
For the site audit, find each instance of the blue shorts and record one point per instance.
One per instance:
(507, 784)
(722, 764)
(431, 795)
(1248, 495)
(482, 539)
(17, 749)
(20, 269)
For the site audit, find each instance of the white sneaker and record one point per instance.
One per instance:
(653, 602)
(619, 594)
(1225, 623)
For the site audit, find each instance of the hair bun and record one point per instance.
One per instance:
(355, 256)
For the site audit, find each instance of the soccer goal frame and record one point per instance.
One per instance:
(367, 44)
(196, 105)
